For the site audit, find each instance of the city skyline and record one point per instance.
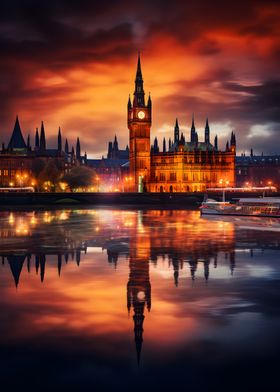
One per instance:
(72, 66)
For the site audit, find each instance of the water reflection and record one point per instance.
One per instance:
(177, 252)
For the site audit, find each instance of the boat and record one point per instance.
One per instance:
(250, 206)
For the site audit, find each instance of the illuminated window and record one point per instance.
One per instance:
(172, 176)
(162, 177)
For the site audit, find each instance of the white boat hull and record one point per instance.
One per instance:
(258, 208)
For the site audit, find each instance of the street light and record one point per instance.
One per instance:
(97, 179)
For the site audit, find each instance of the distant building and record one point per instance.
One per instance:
(113, 170)
(115, 153)
(18, 159)
(258, 170)
(180, 166)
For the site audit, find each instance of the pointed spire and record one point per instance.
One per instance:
(169, 144)
(37, 142)
(42, 138)
(232, 140)
(182, 139)
(193, 126)
(42, 267)
(227, 146)
(207, 132)
(110, 150)
(139, 94)
(115, 148)
(149, 101)
(193, 132)
(17, 141)
(66, 148)
(16, 263)
(139, 71)
(59, 141)
(129, 103)
(216, 143)
(164, 145)
(176, 132)
(156, 149)
(78, 149)
(72, 159)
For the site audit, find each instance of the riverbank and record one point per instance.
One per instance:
(154, 200)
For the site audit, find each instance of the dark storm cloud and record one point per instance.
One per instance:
(253, 105)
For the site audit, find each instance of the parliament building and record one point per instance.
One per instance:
(181, 166)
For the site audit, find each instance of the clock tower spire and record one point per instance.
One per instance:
(139, 118)
(139, 94)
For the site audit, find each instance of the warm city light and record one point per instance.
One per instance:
(139, 196)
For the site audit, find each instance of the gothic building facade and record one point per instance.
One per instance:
(18, 160)
(181, 166)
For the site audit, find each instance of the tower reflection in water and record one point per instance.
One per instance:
(180, 239)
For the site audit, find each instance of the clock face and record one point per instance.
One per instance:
(141, 115)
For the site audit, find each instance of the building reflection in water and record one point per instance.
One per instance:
(180, 238)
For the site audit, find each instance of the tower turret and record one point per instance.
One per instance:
(59, 141)
(207, 132)
(129, 106)
(149, 105)
(156, 148)
(176, 132)
(232, 141)
(116, 144)
(110, 150)
(164, 145)
(193, 132)
(42, 138)
(227, 146)
(78, 149)
(216, 142)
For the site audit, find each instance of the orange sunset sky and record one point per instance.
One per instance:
(73, 63)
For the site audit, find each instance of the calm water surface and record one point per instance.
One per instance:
(95, 300)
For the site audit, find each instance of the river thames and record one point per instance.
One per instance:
(163, 300)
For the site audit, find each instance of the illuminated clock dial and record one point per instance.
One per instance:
(141, 115)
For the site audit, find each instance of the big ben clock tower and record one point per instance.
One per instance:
(139, 119)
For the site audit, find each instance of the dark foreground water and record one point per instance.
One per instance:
(94, 300)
